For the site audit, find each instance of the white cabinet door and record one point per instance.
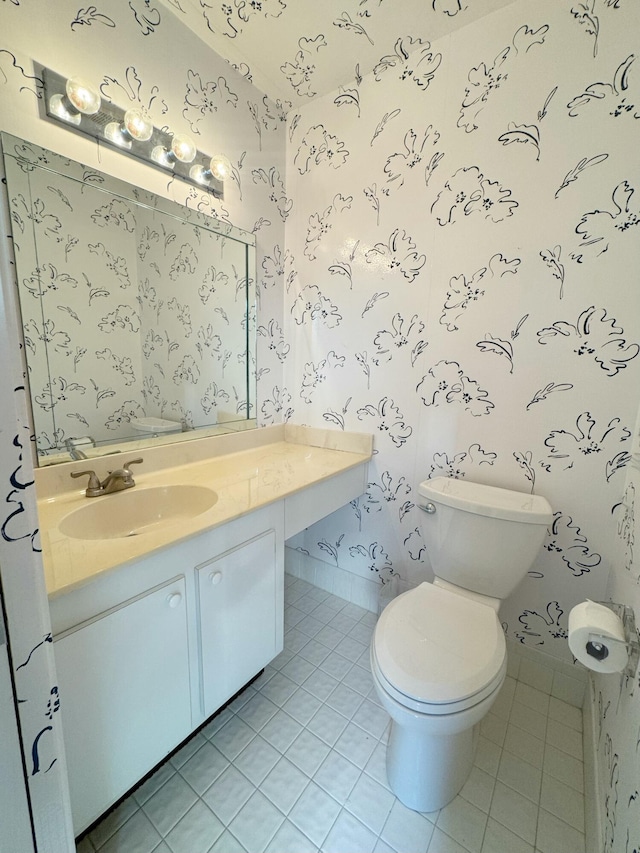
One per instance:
(124, 691)
(238, 607)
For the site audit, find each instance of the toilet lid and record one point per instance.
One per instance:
(436, 646)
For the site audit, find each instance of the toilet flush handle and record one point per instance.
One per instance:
(428, 507)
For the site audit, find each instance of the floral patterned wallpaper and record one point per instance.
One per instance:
(296, 49)
(29, 641)
(123, 53)
(459, 270)
(461, 280)
(616, 700)
(124, 50)
(129, 312)
(446, 289)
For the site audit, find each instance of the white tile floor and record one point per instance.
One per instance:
(297, 765)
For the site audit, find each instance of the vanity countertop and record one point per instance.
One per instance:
(277, 463)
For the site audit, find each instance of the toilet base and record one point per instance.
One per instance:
(430, 755)
(425, 773)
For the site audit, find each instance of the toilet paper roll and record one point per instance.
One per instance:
(593, 632)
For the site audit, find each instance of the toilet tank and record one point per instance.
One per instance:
(481, 538)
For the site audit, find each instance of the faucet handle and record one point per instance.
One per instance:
(93, 486)
(132, 462)
(126, 470)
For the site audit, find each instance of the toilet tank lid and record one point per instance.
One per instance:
(486, 500)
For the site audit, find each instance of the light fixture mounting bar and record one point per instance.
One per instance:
(107, 126)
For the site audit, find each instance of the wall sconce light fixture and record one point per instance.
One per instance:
(74, 103)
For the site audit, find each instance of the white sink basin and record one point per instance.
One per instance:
(136, 511)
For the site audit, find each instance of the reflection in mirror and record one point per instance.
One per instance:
(138, 313)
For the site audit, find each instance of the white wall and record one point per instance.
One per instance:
(28, 627)
(463, 285)
(616, 699)
(165, 69)
(400, 258)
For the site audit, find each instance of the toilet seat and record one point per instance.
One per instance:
(438, 652)
(443, 709)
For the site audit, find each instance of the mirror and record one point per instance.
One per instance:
(138, 313)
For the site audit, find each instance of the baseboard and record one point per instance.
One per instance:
(353, 588)
(562, 679)
(593, 814)
(559, 678)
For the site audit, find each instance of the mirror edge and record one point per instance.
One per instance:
(141, 197)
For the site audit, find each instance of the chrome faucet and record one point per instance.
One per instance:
(115, 481)
(73, 446)
(74, 452)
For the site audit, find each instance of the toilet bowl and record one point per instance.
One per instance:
(438, 652)
(438, 661)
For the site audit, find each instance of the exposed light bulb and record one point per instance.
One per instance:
(114, 133)
(200, 174)
(72, 101)
(137, 125)
(220, 167)
(162, 157)
(82, 97)
(183, 147)
(58, 108)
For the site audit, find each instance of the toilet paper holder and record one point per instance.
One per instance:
(627, 615)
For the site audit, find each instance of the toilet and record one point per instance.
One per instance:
(438, 653)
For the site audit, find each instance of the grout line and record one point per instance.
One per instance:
(325, 618)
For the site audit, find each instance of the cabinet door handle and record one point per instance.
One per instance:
(215, 578)
(174, 599)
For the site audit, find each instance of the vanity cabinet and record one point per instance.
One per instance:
(237, 614)
(153, 634)
(124, 681)
(147, 652)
